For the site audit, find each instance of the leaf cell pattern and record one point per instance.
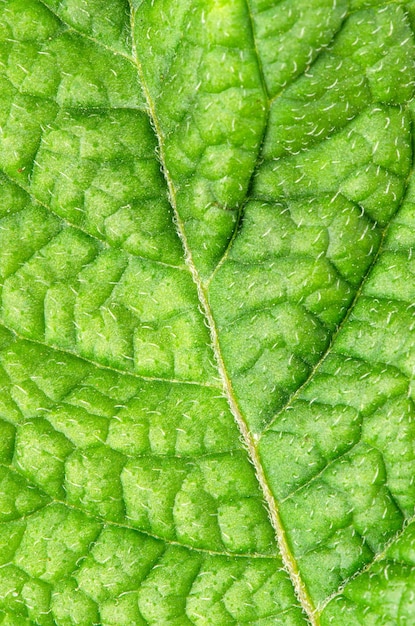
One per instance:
(206, 313)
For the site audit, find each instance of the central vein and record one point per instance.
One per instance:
(249, 441)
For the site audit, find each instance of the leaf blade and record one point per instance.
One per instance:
(158, 334)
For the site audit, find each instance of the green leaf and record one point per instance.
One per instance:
(207, 345)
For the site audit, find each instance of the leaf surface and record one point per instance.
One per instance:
(207, 329)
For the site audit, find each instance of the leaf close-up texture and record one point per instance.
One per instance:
(207, 313)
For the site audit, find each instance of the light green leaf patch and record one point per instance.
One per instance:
(207, 313)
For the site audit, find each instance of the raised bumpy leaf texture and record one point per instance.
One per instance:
(207, 331)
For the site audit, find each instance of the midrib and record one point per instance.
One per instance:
(288, 559)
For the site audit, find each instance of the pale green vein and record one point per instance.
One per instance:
(287, 556)
(378, 557)
(102, 242)
(105, 522)
(347, 314)
(131, 373)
